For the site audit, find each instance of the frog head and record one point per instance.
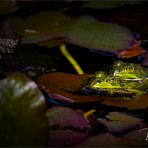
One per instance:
(111, 86)
(123, 80)
(129, 71)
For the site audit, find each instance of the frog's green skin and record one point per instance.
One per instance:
(129, 71)
(129, 81)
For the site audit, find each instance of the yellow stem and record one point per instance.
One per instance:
(86, 114)
(69, 57)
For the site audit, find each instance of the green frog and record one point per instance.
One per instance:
(124, 79)
(129, 71)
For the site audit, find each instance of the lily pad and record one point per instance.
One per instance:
(22, 113)
(66, 126)
(120, 123)
(66, 85)
(85, 31)
(141, 103)
(91, 33)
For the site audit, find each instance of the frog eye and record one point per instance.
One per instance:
(111, 79)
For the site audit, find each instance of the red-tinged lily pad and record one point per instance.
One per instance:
(23, 120)
(141, 103)
(84, 31)
(133, 51)
(66, 85)
(121, 123)
(66, 126)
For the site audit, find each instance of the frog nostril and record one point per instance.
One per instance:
(129, 69)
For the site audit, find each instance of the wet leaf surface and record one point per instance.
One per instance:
(22, 113)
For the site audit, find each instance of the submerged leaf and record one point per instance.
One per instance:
(22, 113)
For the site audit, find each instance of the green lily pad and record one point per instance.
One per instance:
(22, 113)
(91, 33)
(84, 31)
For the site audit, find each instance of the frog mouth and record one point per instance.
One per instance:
(114, 92)
(117, 92)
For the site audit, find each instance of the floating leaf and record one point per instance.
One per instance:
(66, 126)
(84, 31)
(22, 113)
(141, 103)
(120, 123)
(66, 85)
(88, 32)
